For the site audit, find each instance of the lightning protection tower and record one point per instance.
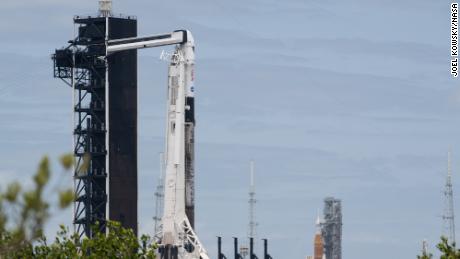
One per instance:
(159, 195)
(448, 217)
(252, 205)
(252, 226)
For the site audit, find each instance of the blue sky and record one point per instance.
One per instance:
(351, 99)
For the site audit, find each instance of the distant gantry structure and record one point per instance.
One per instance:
(332, 228)
(252, 228)
(448, 216)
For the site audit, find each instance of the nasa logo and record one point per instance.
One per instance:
(192, 89)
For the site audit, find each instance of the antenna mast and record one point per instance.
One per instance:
(448, 217)
(252, 204)
(159, 194)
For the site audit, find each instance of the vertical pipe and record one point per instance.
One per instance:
(219, 248)
(88, 205)
(251, 248)
(265, 249)
(107, 126)
(73, 141)
(235, 247)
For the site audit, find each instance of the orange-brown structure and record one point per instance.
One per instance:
(318, 243)
(318, 246)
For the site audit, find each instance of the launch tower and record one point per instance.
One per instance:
(105, 119)
(332, 228)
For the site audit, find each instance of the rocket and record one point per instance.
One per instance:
(190, 137)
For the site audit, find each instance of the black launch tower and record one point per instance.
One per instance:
(105, 121)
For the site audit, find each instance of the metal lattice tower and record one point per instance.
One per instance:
(159, 194)
(105, 120)
(332, 228)
(252, 204)
(448, 217)
(80, 67)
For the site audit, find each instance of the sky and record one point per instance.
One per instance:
(351, 99)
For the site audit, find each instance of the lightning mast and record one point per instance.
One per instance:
(159, 194)
(448, 217)
(252, 205)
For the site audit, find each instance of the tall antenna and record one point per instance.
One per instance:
(448, 217)
(159, 194)
(252, 204)
(105, 7)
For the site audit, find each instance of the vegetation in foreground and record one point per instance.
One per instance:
(23, 214)
(448, 251)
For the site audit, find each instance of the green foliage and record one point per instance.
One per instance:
(23, 214)
(425, 256)
(83, 169)
(12, 192)
(118, 243)
(66, 198)
(67, 161)
(448, 251)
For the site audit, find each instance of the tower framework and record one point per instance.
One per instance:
(252, 228)
(159, 196)
(332, 228)
(105, 121)
(448, 217)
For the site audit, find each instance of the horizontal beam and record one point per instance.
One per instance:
(176, 37)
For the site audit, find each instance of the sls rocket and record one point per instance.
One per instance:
(318, 242)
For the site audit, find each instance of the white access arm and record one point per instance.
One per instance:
(176, 37)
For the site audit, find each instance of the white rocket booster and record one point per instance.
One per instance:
(178, 239)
